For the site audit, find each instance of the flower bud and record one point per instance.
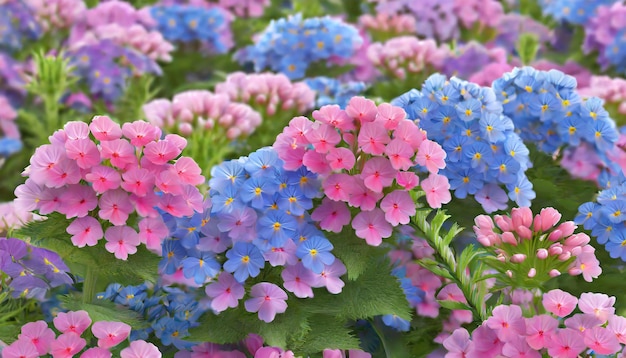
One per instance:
(554, 273)
(532, 272)
(518, 258)
(542, 254)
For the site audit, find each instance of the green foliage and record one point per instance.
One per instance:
(354, 252)
(9, 332)
(139, 90)
(103, 310)
(527, 47)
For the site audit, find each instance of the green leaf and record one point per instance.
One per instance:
(103, 310)
(454, 305)
(354, 252)
(229, 326)
(327, 332)
(9, 332)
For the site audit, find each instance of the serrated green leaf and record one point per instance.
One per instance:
(327, 332)
(103, 310)
(9, 332)
(433, 266)
(355, 254)
(229, 326)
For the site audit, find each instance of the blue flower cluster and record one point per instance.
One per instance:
(9, 146)
(186, 23)
(332, 91)
(256, 212)
(170, 311)
(290, 45)
(547, 110)
(572, 11)
(17, 25)
(105, 67)
(483, 150)
(615, 52)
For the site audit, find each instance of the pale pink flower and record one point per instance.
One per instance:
(39, 334)
(486, 342)
(362, 109)
(103, 128)
(103, 178)
(372, 226)
(400, 154)
(407, 180)
(323, 137)
(115, 206)
(84, 152)
(334, 116)
(77, 201)
(378, 174)
(458, 344)
(72, 322)
(507, 321)
(340, 158)
(96, 352)
(161, 152)
(437, 189)
(547, 218)
(141, 133)
(225, 292)
(140, 349)
(67, 345)
(582, 321)
(409, 132)
(152, 231)
(22, 348)
(332, 215)
(539, 330)
(431, 156)
(586, 264)
(110, 334)
(602, 341)
(299, 280)
(330, 277)
(398, 207)
(76, 130)
(121, 241)
(145, 205)
(362, 197)
(138, 181)
(597, 304)
(85, 231)
(188, 171)
(336, 187)
(390, 115)
(566, 343)
(268, 300)
(559, 303)
(316, 162)
(373, 138)
(119, 151)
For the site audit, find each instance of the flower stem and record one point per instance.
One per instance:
(89, 285)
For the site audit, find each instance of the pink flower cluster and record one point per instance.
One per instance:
(38, 340)
(611, 89)
(11, 218)
(268, 93)
(57, 14)
(556, 333)
(531, 250)
(191, 111)
(124, 170)
(121, 23)
(390, 24)
(405, 55)
(364, 154)
(602, 29)
(485, 13)
(245, 8)
(8, 127)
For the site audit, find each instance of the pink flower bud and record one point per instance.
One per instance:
(524, 232)
(555, 235)
(501, 258)
(580, 239)
(503, 222)
(575, 251)
(567, 228)
(521, 217)
(547, 218)
(554, 273)
(509, 273)
(542, 254)
(565, 256)
(532, 272)
(483, 222)
(518, 258)
(509, 238)
(555, 249)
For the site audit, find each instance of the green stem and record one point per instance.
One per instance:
(382, 338)
(89, 285)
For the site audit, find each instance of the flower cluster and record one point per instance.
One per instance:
(101, 183)
(9, 133)
(39, 340)
(604, 33)
(383, 25)
(575, 12)
(557, 333)
(470, 58)
(12, 218)
(57, 14)
(365, 154)
(513, 25)
(17, 25)
(613, 91)
(245, 9)
(483, 151)
(290, 45)
(186, 23)
(547, 110)
(531, 250)
(333, 91)
(403, 56)
(31, 270)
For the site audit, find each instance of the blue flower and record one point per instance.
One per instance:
(315, 253)
(173, 253)
(200, 266)
(332, 91)
(397, 323)
(244, 260)
(276, 226)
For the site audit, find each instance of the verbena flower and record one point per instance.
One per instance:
(100, 174)
(290, 45)
(531, 250)
(483, 151)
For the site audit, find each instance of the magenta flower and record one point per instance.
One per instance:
(121, 241)
(72, 322)
(431, 156)
(103, 128)
(77, 201)
(437, 190)
(39, 334)
(378, 173)
(103, 179)
(330, 277)
(85, 231)
(67, 345)
(20, 349)
(398, 207)
(110, 334)
(372, 226)
(299, 280)
(566, 343)
(268, 300)
(559, 303)
(138, 181)
(115, 207)
(140, 349)
(332, 215)
(458, 344)
(507, 321)
(225, 292)
(539, 330)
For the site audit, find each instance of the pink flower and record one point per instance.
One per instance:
(373, 138)
(587, 264)
(362, 197)
(65, 172)
(508, 322)
(407, 180)
(458, 344)
(138, 181)
(144, 205)
(486, 342)
(169, 183)
(268, 300)
(398, 207)
(152, 231)
(67, 345)
(559, 303)
(96, 352)
(298, 279)
(323, 137)
(72, 322)
(431, 156)
(361, 109)
(77, 201)
(617, 325)
(539, 330)
(340, 158)
(22, 348)
(336, 187)
(332, 215)
(226, 292)
(372, 226)
(46, 158)
(188, 171)
(175, 205)
(566, 343)
(84, 152)
(161, 152)
(390, 115)
(110, 334)
(329, 277)
(518, 348)
(273, 352)
(334, 116)
(141, 133)
(76, 130)
(121, 241)
(39, 334)
(378, 174)
(437, 190)
(400, 154)
(597, 304)
(408, 131)
(28, 195)
(119, 151)
(103, 178)
(103, 128)
(85, 231)
(547, 218)
(140, 349)
(115, 206)
(315, 162)
(601, 340)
